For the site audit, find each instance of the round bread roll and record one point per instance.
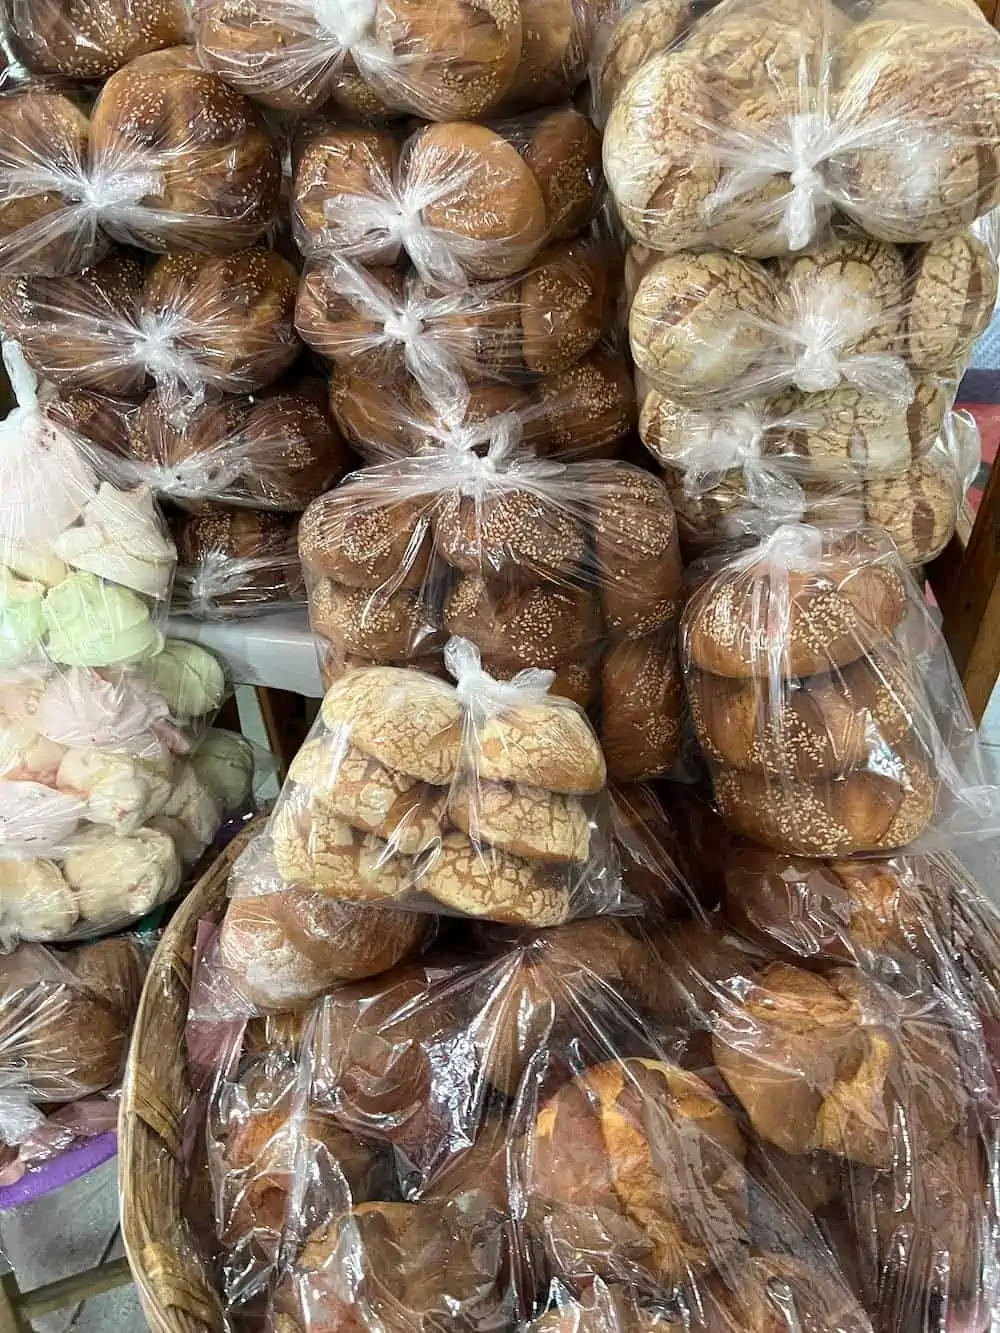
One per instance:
(192, 163)
(484, 201)
(343, 328)
(361, 540)
(342, 164)
(641, 705)
(564, 302)
(919, 509)
(112, 970)
(478, 427)
(232, 557)
(953, 289)
(377, 420)
(43, 152)
(849, 274)
(474, 879)
(378, 625)
(522, 820)
(826, 724)
(563, 150)
(286, 948)
(636, 550)
(700, 322)
(864, 810)
(867, 434)
(91, 41)
(236, 311)
(315, 848)
(456, 60)
(828, 1062)
(759, 620)
(546, 744)
(619, 1204)
(518, 536)
(555, 41)
(576, 681)
(588, 410)
(626, 40)
(540, 626)
(78, 331)
(403, 811)
(423, 1261)
(108, 423)
(658, 160)
(409, 722)
(743, 51)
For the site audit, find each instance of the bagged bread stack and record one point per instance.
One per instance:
(826, 703)
(799, 323)
(565, 567)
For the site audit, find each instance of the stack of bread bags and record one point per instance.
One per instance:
(136, 274)
(804, 290)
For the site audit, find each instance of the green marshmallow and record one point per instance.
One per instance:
(22, 623)
(94, 623)
(189, 678)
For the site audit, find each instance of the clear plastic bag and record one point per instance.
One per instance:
(460, 200)
(566, 567)
(452, 63)
(581, 1128)
(483, 799)
(852, 320)
(91, 41)
(826, 702)
(769, 116)
(277, 449)
(170, 158)
(188, 324)
(381, 324)
(236, 562)
(64, 1025)
(85, 567)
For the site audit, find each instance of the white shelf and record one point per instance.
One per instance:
(276, 649)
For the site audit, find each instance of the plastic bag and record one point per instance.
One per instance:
(454, 62)
(277, 449)
(566, 567)
(105, 793)
(382, 324)
(236, 562)
(826, 702)
(577, 1128)
(85, 568)
(460, 200)
(64, 1026)
(170, 158)
(188, 323)
(853, 319)
(769, 116)
(584, 412)
(92, 41)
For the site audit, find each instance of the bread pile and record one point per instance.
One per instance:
(799, 320)
(110, 785)
(778, 1114)
(825, 702)
(570, 567)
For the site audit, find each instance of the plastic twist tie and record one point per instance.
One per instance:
(403, 328)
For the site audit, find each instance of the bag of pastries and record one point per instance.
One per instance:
(273, 450)
(460, 200)
(571, 568)
(90, 41)
(541, 1134)
(189, 325)
(766, 118)
(236, 562)
(86, 567)
(449, 62)
(826, 702)
(65, 1020)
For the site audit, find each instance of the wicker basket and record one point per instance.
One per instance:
(175, 1286)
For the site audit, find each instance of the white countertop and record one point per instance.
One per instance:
(276, 648)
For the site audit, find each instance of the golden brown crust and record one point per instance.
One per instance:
(377, 625)
(525, 821)
(637, 552)
(517, 535)
(541, 626)
(548, 744)
(316, 849)
(91, 41)
(362, 541)
(487, 882)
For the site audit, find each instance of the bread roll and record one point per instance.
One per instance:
(341, 164)
(775, 617)
(361, 540)
(518, 536)
(563, 150)
(807, 726)
(43, 152)
(378, 625)
(525, 821)
(576, 681)
(190, 159)
(374, 418)
(919, 508)
(588, 410)
(315, 848)
(564, 301)
(478, 880)
(546, 744)
(237, 558)
(953, 289)
(865, 810)
(286, 948)
(541, 626)
(637, 552)
(641, 704)
(91, 41)
(555, 42)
